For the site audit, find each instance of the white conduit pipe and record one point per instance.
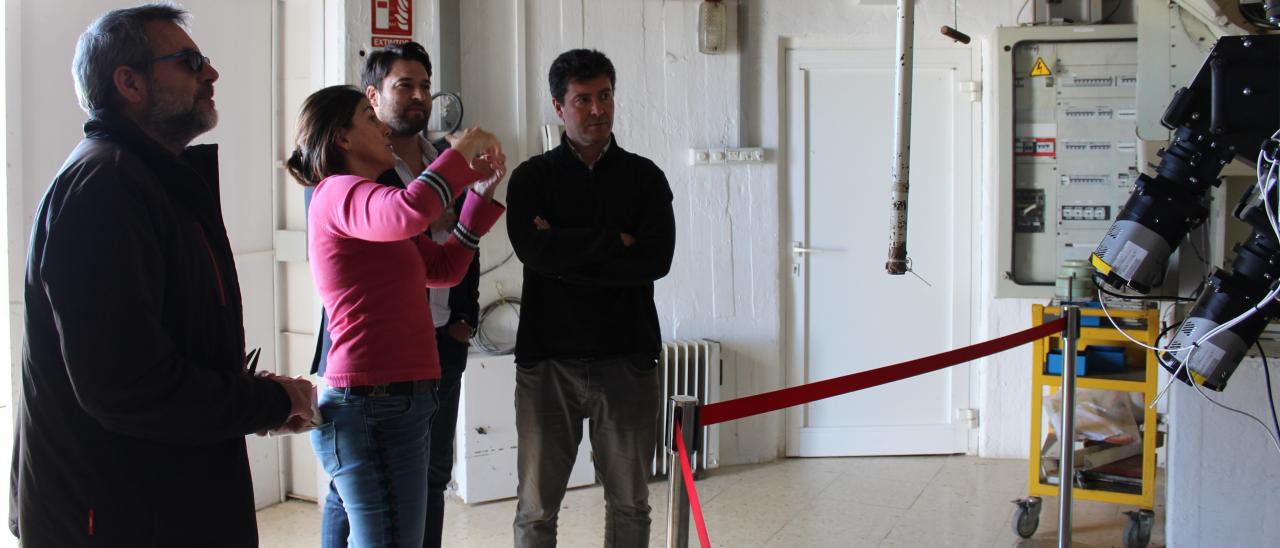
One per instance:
(897, 263)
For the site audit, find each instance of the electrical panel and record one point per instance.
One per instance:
(1067, 148)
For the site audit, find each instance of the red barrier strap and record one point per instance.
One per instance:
(799, 395)
(695, 507)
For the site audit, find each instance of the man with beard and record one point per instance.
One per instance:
(397, 81)
(593, 225)
(135, 396)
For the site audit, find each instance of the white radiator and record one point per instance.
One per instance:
(690, 368)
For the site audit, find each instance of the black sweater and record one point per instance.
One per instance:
(585, 294)
(135, 400)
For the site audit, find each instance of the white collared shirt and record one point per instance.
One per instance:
(437, 297)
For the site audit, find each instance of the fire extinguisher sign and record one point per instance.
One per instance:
(392, 22)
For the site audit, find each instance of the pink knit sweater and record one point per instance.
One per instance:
(371, 263)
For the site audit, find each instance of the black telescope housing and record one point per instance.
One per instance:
(1226, 295)
(1230, 109)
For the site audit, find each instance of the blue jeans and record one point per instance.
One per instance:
(375, 449)
(453, 362)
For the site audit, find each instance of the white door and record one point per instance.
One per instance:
(846, 314)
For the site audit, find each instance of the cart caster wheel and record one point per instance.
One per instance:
(1137, 533)
(1026, 517)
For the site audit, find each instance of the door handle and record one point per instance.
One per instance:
(798, 249)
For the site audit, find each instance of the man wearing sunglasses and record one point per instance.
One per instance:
(135, 399)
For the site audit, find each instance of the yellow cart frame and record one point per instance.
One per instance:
(1133, 379)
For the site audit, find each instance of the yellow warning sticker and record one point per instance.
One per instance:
(1040, 69)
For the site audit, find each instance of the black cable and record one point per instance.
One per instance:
(1164, 332)
(1097, 280)
(1266, 370)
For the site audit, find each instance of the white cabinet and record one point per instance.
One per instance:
(485, 451)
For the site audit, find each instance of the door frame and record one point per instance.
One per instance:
(797, 56)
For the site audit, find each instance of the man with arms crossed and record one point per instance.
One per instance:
(593, 225)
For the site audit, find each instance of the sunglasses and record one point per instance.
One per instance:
(194, 60)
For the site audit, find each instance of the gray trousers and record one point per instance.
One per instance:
(619, 398)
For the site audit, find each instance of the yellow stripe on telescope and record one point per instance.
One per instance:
(1102, 267)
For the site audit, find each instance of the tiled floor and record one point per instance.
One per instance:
(844, 502)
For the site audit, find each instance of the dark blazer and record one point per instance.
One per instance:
(134, 399)
(464, 298)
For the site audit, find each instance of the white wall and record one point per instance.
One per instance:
(9, 372)
(726, 280)
(302, 72)
(1224, 472)
(13, 227)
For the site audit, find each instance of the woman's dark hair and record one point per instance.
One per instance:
(577, 65)
(325, 114)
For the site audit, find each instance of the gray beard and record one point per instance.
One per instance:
(176, 122)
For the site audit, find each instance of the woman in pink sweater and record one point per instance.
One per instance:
(371, 260)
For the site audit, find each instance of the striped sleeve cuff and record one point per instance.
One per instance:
(437, 183)
(466, 237)
(477, 217)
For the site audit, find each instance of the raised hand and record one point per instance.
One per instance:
(492, 163)
(474, 141)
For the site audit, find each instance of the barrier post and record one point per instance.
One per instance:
(1066, 464)
(681, 410)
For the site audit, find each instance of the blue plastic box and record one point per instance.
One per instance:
(1053, 365)
(1104, 359)
(1093, 360)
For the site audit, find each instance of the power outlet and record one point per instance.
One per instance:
(699, 156)
(703, 156)
(745, 155)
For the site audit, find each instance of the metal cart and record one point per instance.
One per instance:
(1138, 375)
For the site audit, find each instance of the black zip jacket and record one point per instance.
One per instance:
(585, 295)
(135, 400)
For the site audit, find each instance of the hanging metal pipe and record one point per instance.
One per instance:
(680, 409)
(1066, 463)
(897, 263)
